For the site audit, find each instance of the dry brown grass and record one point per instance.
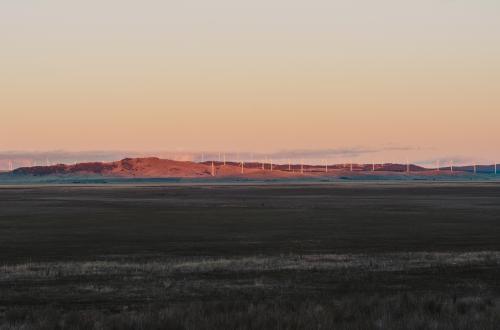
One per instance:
(347, 291)
(395, 312)
(369, 262)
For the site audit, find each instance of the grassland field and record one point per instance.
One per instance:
(268, 256)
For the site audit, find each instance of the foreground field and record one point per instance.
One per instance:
(352, 256)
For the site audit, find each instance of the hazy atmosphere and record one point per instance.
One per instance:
(251, 165)
(401, 79)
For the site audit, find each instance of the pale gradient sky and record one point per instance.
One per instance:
(261, 75)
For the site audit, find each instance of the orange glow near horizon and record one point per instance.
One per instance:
(261, 76)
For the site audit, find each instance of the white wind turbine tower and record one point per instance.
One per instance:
(495, 168)
(213, 169)
(271, 165)
(224, 159)
(326, 166)
(451, 166)
(242, 167)
(407, 166)
(289, 165)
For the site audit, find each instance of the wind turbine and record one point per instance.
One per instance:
(289, 166)
(271, 165)
(475, 168)
(451, 166)
(373, 166)
(242, 167)
(495, 168)
(213, 169)
(224, 159)
(326, 166)
(407, 166)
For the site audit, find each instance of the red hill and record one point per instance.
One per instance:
(163, 168)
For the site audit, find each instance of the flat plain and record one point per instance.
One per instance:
(345, 255)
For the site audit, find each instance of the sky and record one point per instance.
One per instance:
(385, 80)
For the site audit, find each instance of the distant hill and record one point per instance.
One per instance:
(153, 167)
(128, 167)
